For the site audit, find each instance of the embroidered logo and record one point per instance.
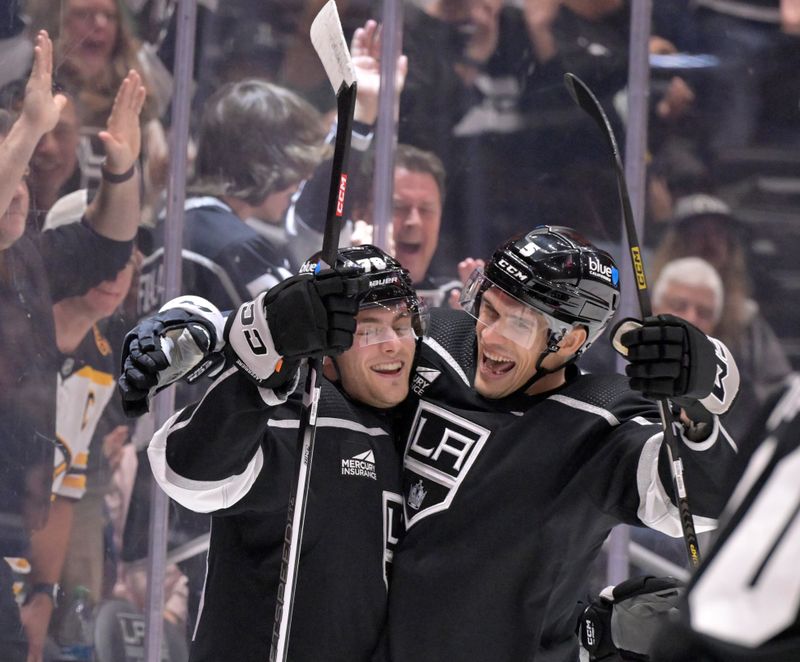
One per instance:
(416, 495)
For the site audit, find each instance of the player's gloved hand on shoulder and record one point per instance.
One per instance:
(622, 622)
(671, 358)
(308, 315)
(183, 339)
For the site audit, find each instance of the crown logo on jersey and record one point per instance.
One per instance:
(416, 495)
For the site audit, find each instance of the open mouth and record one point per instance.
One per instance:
(496, 365)
(93, 47)
(388, 368)
(408, 247)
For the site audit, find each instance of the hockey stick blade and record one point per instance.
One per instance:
(589, 103)
(328, 39)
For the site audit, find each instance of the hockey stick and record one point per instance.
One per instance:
(329, 42)
(588, 102)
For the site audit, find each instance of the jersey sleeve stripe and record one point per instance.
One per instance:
(329, 422)
(656, 509)
(585, 406)
(199, 496)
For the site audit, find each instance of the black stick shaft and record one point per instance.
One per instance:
(298, 498)
(586, 99)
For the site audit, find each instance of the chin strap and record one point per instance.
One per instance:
(552, 347)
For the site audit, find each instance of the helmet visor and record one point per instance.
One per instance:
(494, 308)
(390, 320)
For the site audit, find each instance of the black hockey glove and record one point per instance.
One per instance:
(671, 358)
(308, 315)
(183, 339)
(621, 623)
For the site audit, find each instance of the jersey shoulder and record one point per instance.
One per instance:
(608, 392)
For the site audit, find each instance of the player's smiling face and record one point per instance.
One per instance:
(377, 368)
(511, 336)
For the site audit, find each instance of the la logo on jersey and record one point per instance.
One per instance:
(440, 451)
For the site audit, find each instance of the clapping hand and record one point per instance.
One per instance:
(122, 138)
(365, 51)
(41, 108)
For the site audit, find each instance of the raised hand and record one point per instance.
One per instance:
(41, 108)
(365, 51)
(122, 138)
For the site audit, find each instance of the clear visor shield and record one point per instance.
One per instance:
(502, 313)
(390, 320)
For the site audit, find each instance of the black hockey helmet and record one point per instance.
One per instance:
(557, 272)
(389, 282)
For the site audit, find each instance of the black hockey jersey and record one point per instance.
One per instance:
(508, 501)
(743, 604)
(234, 456)
(224, 260)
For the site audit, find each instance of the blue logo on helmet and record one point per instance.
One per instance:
(614, 275)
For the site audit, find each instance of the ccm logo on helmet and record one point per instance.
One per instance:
(604, 271)
(512, 270)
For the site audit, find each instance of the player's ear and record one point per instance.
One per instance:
(329, 369)
(572, 341)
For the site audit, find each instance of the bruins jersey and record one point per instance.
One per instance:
(508, 501)
(234, 455)
(86, 383)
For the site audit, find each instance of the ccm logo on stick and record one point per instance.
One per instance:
(342, 191)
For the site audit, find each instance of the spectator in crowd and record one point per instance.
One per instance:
(96, 48)
(751, 96)
(703, 226)
(54, 166)
(36, 271)
(85, 386)
(690, 288)
(481, 75)
(413, 236)
(226, 260)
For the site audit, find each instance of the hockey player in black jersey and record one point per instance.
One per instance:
(517, 465)
(233, 455)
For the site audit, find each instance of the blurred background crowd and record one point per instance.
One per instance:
(489, 144)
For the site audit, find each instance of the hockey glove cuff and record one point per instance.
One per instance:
(671, 358)
(621, 623)
(183, 339)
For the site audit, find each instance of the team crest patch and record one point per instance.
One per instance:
(440, 451)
